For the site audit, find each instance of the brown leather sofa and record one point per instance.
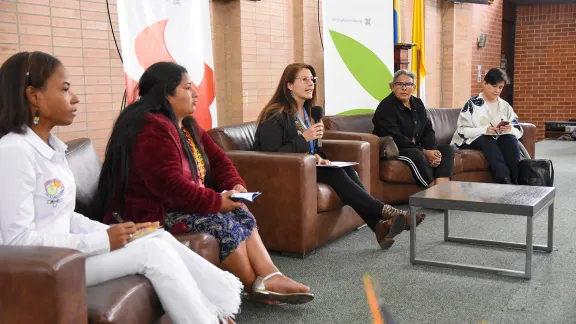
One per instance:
(295, 215)
(48, 285)
(392, 180)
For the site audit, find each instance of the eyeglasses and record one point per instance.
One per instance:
(402, 84)
(306, 79)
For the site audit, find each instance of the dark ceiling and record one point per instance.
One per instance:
(531, 2)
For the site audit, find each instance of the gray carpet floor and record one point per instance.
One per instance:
(424, 294)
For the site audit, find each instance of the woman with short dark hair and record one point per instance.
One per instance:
(488, 123)
(404, 117)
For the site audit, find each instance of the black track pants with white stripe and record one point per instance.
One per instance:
(421, 169)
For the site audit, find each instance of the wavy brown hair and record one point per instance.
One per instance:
(282, 100)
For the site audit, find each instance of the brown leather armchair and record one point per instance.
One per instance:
(48, 285)
(392, 180)
(295, 215)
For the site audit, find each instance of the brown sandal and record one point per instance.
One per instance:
(386, 230)
(389, 211)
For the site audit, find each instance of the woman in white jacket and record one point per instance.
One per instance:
(37, 201)
(488, 123)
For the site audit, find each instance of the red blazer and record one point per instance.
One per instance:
(160, 177)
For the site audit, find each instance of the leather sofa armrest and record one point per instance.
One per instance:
(351, 151)
(287, 182)
(203, 244)
(528, 139)
(42, 285)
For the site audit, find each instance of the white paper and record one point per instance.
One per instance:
(337, 164)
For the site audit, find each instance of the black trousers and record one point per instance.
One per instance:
(352, 192)
(502, 154)
(422, 171)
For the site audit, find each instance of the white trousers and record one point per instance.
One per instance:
(191, 289)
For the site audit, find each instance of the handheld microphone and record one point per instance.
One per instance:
(317, 113)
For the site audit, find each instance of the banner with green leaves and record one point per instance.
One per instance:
(358, 54)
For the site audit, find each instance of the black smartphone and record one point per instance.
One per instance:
(503, 123)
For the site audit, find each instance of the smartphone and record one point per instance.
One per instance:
(502, 123)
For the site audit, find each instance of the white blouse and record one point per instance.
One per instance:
(477, 115)
(37, 197)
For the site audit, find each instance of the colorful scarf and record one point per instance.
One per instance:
(197, 157)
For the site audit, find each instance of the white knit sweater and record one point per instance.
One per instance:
(475, 118)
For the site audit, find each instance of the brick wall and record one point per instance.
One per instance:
(545, 64)
(78, 33)
(486, 19)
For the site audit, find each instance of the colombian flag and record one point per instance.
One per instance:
(396, 22)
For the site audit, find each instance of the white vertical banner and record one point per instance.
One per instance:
(172, 31)
(358, 54)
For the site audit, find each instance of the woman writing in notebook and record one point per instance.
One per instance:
(488, 123)
(37, 201)
(160, 166)
(284, 125)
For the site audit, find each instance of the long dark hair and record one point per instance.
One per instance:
(20, 71)
(282, 100)
(157, 82)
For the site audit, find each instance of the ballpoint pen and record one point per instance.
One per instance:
(117, 217)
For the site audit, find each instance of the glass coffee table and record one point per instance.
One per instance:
(524, 201)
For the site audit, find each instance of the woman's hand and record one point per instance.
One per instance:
(321, 161)
(239, 188)
(227, 204)
(314, 132)
(506, 129)
(492, 130)
(434, 157)
(120, 234)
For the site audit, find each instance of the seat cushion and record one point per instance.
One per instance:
(129, 299)
(395, 171)
(327, 198)
(472, 160)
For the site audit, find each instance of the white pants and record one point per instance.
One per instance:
(191, 289)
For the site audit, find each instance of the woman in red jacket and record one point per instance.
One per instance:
(161, 166)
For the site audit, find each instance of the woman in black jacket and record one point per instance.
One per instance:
(284, 125)
(404, 117)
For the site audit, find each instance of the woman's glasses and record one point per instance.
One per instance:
(306, 79)
(404, 84)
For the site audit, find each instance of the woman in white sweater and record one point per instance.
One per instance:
(488, 123)
(37, 201)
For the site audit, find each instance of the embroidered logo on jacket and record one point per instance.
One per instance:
(54, 191)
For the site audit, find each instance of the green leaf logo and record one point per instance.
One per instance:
(358, 111)
(367, 68)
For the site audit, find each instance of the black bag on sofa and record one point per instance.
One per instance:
(536, 173)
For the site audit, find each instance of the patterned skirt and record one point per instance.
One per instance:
(230, 229)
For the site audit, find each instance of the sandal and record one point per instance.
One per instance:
(259, 291)
(389, 211)
(386, 230)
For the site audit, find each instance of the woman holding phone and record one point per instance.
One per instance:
(488, 123)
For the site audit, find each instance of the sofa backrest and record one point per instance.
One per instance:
(234, 137)
(85, 165)
(443, 120)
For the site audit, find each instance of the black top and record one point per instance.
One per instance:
(278, 133)
(394, 119)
